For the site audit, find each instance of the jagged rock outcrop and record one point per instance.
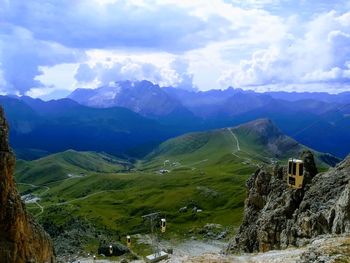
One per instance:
(21, 238)
(276, 216)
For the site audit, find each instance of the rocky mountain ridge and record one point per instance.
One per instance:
(142, 97)
(22, 240)
(277, 217)
(295, 113)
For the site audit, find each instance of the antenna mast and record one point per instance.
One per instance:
(154, 236)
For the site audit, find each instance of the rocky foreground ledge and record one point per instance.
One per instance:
(21, 238)
(277, 217)
(323, 249)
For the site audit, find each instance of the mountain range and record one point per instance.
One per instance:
(300, 115)
(132, 118)
(39, 128)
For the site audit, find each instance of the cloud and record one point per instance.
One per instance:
(181, 67)
(320, 55)
(106, 73)
(255, 3)
(260, 43)
(21, 57)
(137, 26)
(116, 24)
(85, 73)
(175, 74)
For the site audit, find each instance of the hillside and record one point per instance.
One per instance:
(254, 143)
(205, 171)
(68, 164)
(300, 115)
(39, 128)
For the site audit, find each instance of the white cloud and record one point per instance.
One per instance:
(106, 73)
(320, 55)
(115, 24)
(160, 28)
(256, 3)
(22, 56)
(265, 43)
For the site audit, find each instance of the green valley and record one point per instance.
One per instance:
(192, 180)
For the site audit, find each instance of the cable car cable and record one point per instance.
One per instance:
(317, 121)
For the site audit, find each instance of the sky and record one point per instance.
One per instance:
(50, 48)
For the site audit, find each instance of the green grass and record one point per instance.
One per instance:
(203, 172)
(58, 166)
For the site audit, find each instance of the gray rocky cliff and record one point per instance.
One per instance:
(276, 216)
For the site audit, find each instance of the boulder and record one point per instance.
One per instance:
(116, 249)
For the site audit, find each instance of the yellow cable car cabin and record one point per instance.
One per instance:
(111, 250)
(295, 175)
(128, 241)
(163, 225)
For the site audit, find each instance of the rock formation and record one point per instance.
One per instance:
(276, 216)
(21, 238)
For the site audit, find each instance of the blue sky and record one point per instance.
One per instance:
(49, 48)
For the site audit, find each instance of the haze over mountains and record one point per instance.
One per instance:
(133, 117)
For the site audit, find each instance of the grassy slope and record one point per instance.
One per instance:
(213, 184)
(204, 173)
(58, 166)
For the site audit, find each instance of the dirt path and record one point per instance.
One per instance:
(246, 160)
(44, 192)
(192, 164)
(41, 208)
(84, 197)
(37, 186)
(236, 139)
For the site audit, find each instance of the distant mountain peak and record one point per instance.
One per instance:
(264, 127)
(142, 97)
(261, 123)
(268, 135)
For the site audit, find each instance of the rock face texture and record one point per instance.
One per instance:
(276, 216)
(21, 238)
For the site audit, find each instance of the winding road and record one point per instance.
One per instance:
(84, 197)
(37, 186)
(237, 148)
(234, 136)
(42, 208)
